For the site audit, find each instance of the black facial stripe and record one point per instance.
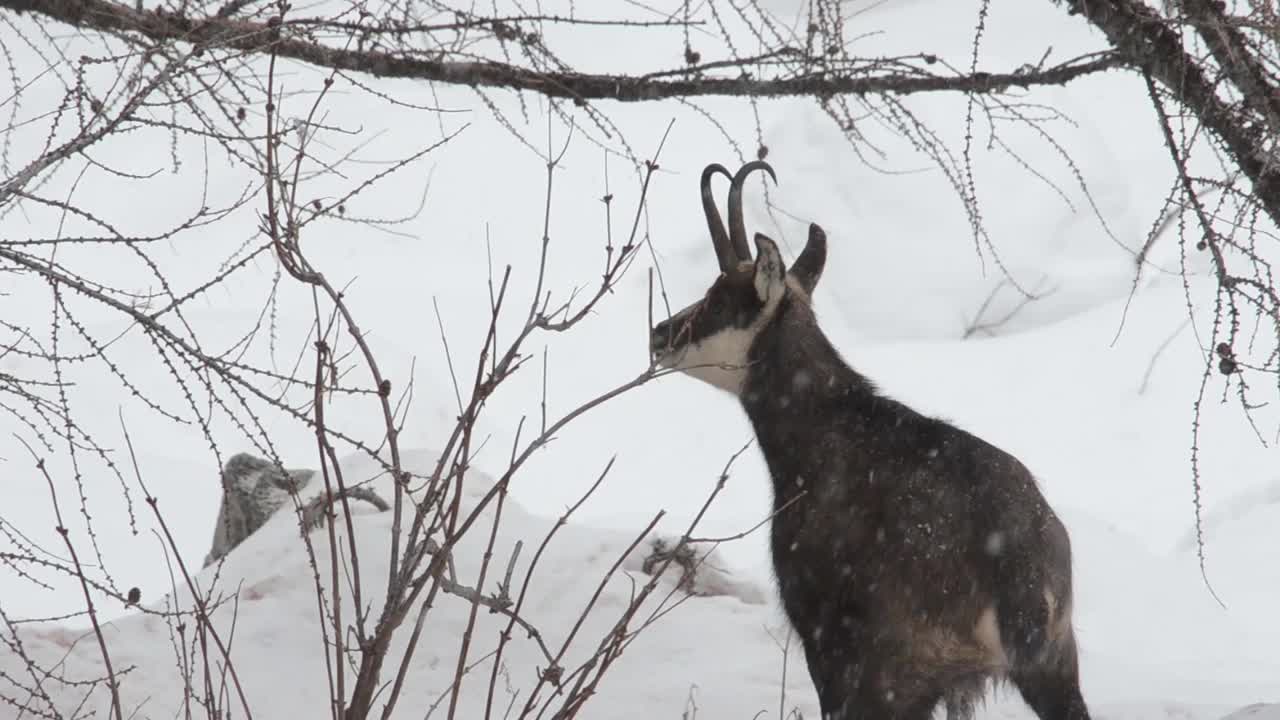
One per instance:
(727, 304)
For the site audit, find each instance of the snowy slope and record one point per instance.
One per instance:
(1059, 386)
(721, 649)
(275, 628)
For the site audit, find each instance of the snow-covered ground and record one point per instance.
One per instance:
(1069, 384)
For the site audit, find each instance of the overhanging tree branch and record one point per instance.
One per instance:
(1149, 41)
(1221, 68)
(238, 34)
(1237, 59)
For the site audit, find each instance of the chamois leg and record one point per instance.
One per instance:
(1052, 688)
(920, 708)
(862, 701)
(1052, 696)
(961, 698)
(851, 687)
(838, 672)
(833, 673)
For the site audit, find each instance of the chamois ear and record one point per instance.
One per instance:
(770, 277)
(807, 268)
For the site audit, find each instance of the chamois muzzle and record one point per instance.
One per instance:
(669, 336)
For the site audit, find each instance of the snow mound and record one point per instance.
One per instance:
(264, 593)
(1256, 711)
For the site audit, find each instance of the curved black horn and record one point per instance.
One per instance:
(807, 269)
(719, 238)
(737, 229)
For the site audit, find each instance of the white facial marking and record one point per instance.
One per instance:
(720, 359)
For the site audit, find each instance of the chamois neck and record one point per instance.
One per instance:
(800, 396)
(793, 365)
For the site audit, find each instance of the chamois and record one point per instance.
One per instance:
(915, 561)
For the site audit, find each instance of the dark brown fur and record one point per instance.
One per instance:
(894, 533)
(915, 560)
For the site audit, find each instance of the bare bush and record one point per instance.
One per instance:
(239, 96)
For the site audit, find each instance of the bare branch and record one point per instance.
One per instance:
(248, 36)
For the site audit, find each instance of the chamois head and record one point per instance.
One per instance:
(710, 339)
